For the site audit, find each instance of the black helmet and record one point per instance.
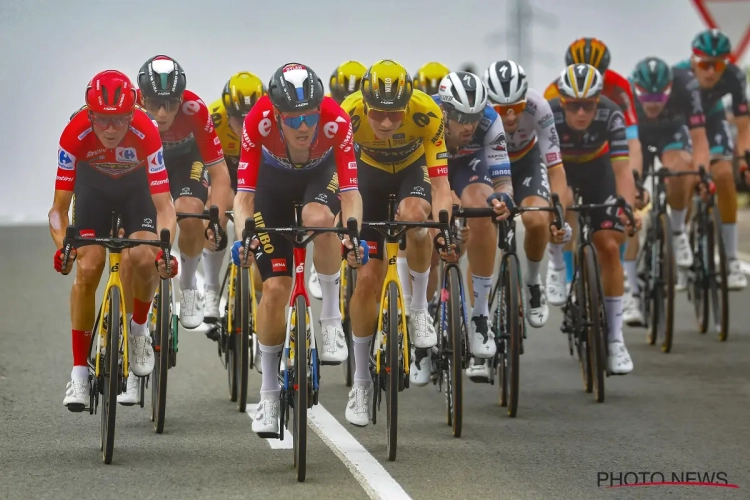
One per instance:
(161, 77)
(295, 87)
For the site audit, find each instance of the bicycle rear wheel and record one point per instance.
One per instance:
(453, 351)
(718, 275)
(698, 283)
(392, 369)
(509, 366)
(112, 374)
(300, 395)
(662, 309)
(242, 341)
(233, 331)
(350, 279)
(161, 343)
(595, 319)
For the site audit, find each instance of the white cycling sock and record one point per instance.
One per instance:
(405, 278)
(532, 272)
(329, 286)
(362, 360)
(729, 234)
(419, 290)
(79, 372)
(269, 363)
(212, 264)
(631, 270)
(677, 218)
(613, 308)
(556, 256)
(482, 287)
(189, 268)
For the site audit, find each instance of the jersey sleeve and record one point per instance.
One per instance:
(496, 147)
(251, 148)
(158, 179)
(739, 94)
(67, 161)
(551, 91)
(549, 141)
(623, 96)
(616, 136)
(208, 142)
(435, 151)
(691, 102)
(343, 150)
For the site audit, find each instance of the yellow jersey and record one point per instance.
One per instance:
(230, 143)
(421, 133)
(552, 91)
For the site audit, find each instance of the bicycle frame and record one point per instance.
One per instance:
(391, 276)
(101, 338)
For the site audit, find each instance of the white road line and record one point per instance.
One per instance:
(276, 444)
(364, 467)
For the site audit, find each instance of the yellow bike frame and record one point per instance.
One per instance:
(391, 276)
(232, 293)
(113, 281)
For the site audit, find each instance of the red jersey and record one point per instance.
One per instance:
(617, 88)
(262, 142)
(83, 158)
(192, 125)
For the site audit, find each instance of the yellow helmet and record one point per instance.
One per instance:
(387, 86)
(429, 76)
(346, 79)
(241, 93)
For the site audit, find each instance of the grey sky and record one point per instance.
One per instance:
(52, 48)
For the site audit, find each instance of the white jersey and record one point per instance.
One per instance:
(535, 125)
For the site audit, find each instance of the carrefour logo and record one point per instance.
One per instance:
(65, 160)
(156, 162)
(126, 155)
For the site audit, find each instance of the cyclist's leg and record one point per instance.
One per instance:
(415, 197)
(560, 266)
(189, 186)
(722, 148)
(677, 156)
(91, 217)
(531, 188)
(213, 260)
(321, 200)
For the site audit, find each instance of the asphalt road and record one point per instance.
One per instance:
(682, 412)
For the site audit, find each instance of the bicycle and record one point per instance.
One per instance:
(389, 363)
(706, 282)
(108, 367)
(347, 284)
(299, 368)
(509, 326)
(235, 329)
(585, 320)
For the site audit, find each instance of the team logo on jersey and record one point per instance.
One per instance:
(330, 129)
(65, 160)
(156, 162)
(125, 155)
(114, 170)
(191, 107)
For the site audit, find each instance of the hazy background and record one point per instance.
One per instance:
(51, 49)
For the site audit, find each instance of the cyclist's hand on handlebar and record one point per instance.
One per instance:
(238, 252)
(351, 259)
(58, 261)
(161, 265)
(447, 254)
(501, 203)
(642, 199)
(560, 236)
(211, 237)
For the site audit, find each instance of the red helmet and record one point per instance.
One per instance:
(110, 93)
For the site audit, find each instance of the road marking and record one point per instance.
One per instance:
(364, 467)
(276, 444)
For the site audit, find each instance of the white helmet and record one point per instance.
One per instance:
(580, 81)
(506, 82)
(464, 92)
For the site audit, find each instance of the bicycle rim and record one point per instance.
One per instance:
(597, 360)
(301, 392)
(455, 349)
(392, 370)
(351, 280)
(666, 283)
(233, 333)
(242, 360)
(161, 365)
(583, 347)
(501, 336)
(699, 285)
(112, 378)
(719, 285)
(513, 346)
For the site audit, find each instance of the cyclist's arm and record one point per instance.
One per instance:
(165, 214)
(58, 216)
(496, 156)
(346, 167)
(221, 189)
(635, 151)
(741, 118)
(247, 170)
(436, 157)
(696, 121)
(618, 154)
(67, 167)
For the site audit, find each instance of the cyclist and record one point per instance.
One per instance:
(616, 87)
(718, 77)
(536, 163)
(477, 166)
(240, 94)
(190, 147)
(399, 134)
(110, 158)
(671, 119)
(429, 76)
(594, 148)
(296, 147)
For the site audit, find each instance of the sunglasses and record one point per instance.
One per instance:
(295, 122)
(463, 118)
(574, 105)
(380, 115)
(658, 97)
(154, 104)
(718, 65)
(516, 107)
(103, 121)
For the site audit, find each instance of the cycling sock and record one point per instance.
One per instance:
(79, 372)
(419, 290)
(362, 360)
(622, 251)
(613, 307)
(212, 263)
(569, 265)
(729, 234)
(140, 311)
(269, 363)
(556, 256)
(187, 273)
(631, 270)
(81, 341)
(405, 279)
(482, 288)
(532, 272)
(329, 286)
(677, 218)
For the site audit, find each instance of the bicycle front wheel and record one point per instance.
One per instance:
(453, 351)
(718, 286)
(233, 331)
(112, 374)
(510, 357)
(299, 423)
(350, 279)
(662, 310)
(698, 282)
(392, 369)
(242, 341)
(161, 343)
(595, 319)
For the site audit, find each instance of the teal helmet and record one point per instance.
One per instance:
(652, 76)
(712, 43)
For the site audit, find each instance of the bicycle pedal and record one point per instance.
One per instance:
(210, 321)
(213, 334)
(330, 363)
(76, 408)
(479, 380)
(268, 435)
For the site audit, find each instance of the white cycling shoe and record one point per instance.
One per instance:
(422, 330)
(140, 354)
(556, 289)
(130, 396)
(619, 359)
(683, 254)
(77, 395)
(420, 368)
(358, 406)
(631, 311)
(479, 370)
(211, 301)
(736, 279)
(333, 348)
(191, 308)
(482, 342)
(537, 310)
(266, 421)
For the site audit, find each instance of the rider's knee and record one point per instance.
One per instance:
(535, 221)
(276, 291)
(142, 258)
(317, 215)
(722, 173)
(89, 268)
(368, 282)
(607, 245)
(414, 210)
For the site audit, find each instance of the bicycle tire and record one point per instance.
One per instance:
(697, 288)
(161, 363)
(455, 351)
(583, 347)
(392, 370)
(300, 395)
(662, 318)
(512, 291)
(232, 332)
(242, 341)
(112, 373)
(719, 285)
(597, 359)
(351, 281)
